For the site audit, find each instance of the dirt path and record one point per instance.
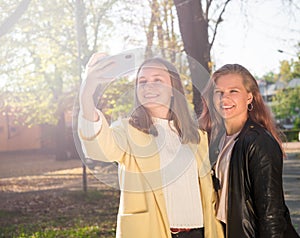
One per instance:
(28, 172)
(32, 163)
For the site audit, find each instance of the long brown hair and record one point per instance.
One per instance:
(186, 127)
(212, 122)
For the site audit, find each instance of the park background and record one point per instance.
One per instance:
(45, 46)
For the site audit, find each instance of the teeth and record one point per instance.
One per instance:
(151, 95)
(227, 107)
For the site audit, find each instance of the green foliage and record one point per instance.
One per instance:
(297, 123)
(270, 77)
(33, 63)
(42, 57)
(117, 100)
(39, 64)
(285, 71)
(286, 103)
(296, 64)
(291, 135)
(290, 69)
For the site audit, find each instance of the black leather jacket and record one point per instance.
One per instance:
(256, 206)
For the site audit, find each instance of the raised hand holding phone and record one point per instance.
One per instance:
(95, 70)
(93, 77)
(102, 69)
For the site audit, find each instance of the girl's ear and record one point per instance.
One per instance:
(250, 98)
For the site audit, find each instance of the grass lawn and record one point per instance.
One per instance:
(59, 214)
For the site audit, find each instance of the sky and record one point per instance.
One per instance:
(254, 40)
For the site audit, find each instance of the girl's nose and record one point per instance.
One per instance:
(148, 85)
(151, 85)
(224, 95)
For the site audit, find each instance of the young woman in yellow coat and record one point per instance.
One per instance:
(164, 169)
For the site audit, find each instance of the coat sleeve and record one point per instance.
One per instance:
(265, 172)
(108, 144)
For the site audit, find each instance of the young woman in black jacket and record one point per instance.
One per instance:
(249, 157)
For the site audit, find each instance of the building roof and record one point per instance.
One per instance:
(273, 88)
(294, 83)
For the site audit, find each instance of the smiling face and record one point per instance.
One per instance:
(231, 101)
(154, 89)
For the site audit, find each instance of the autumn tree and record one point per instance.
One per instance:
(285, 71)
(295, 64)
(39, 60)
(288, 69)
(286, 103)
(199, 22)
(195, 21)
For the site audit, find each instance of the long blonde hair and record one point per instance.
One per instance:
(212, 122)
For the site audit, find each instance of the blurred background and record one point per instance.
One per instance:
(46, 44)
(45, 189)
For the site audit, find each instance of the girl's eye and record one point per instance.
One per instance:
(142, 82)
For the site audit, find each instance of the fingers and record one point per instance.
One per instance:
(104, 69)
(102, 64)
(95, 58)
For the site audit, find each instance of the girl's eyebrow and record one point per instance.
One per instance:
(234, 87)
(216, 88)
(154, 75)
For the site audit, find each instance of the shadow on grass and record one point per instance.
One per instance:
(58, 213)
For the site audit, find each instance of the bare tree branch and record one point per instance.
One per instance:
(10, 21)
(208, 3)
(218, 22)
(292, 3)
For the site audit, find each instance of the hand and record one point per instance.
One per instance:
(95, 68)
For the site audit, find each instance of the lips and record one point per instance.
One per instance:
(150, 95)
(227, 107)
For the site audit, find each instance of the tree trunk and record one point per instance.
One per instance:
(194, 31)
(60, 148)
(82, 49)
(150, 29)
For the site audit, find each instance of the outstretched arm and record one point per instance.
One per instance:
(97, 139)
(94, 70)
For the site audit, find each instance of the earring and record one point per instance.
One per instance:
(250, 107)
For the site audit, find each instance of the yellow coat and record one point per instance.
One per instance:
(142, 211)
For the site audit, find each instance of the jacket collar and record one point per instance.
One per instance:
(248, 125)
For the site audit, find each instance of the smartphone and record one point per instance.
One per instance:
(119, 65)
